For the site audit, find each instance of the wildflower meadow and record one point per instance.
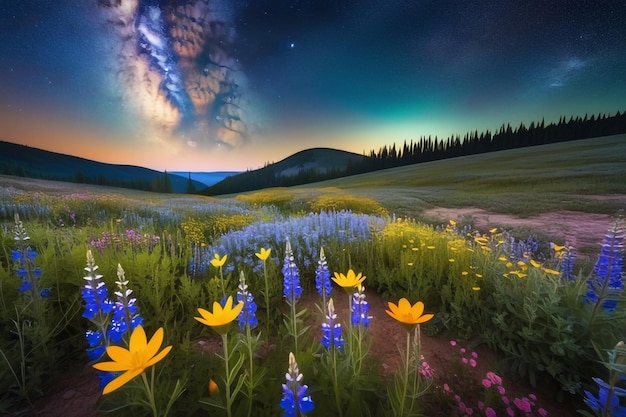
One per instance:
(248, 307)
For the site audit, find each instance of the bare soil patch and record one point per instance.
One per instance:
(580, 230)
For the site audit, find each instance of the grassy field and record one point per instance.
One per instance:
(527, 181)
(585, 175)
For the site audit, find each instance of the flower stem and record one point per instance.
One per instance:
(267, 299)
(227, 369)
(223, 284)
(405, 378)
(149, 387)
(251, 371)
(336, 382)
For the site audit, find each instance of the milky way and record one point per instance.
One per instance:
(174, 65)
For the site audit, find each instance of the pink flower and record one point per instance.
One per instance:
(463, 350)
(480, 405)
(486, 383)
(452, 342)
(464, 360)
(523, 404)
(472, 363)
(510, 412)
(469, 411)
(462, 407)
(542, 412)
(457, 398)
(505, 400)
(501, 390)
(494, 378)
(490, 412)
(446, 387)
(474, 355)
(532, 397)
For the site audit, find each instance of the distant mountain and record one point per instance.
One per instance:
(25, 161)
(310, 165)
(206, 178)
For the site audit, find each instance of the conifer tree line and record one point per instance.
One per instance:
(431, 149)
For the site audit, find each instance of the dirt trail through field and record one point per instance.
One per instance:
(580, 230)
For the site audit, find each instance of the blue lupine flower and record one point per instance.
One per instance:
(291, 282)
(24, 257)
(247, 316)
(97, 308)
(96, 344)
(322, 277)
(602, 402)
(360, 308)
(607, 280)
(295, 400)
(125, 318)
(45, 293)
(25, 286)
(331, 330)
(95, 292)
(106, 377)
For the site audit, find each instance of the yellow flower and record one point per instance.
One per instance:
(481, 240)
(495, 229)
(476, 288)
(265, 253)
(452, 223)
(221, 317)
(556, 247)
(503, 258)
(535, 263)
(217, 261)
(350, 280)
(408, 315)
(519, 274)
(139, 356)
(551, 271)
(464, 273)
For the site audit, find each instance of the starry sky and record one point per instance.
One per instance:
(211, 85)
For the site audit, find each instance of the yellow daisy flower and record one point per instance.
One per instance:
(140, 355)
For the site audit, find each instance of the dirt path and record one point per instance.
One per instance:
(580, 230)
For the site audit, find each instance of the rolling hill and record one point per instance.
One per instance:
(307, 166)
(25, 161)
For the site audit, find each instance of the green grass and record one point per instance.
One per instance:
(524, 182)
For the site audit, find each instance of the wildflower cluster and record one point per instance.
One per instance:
(493, 400)
(130, 238)
(112, 319)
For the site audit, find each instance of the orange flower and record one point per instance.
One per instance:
(408, 315)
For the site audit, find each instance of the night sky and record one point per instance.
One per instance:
(210, 85)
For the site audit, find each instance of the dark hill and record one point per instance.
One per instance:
(310, 165)
(25, 161)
